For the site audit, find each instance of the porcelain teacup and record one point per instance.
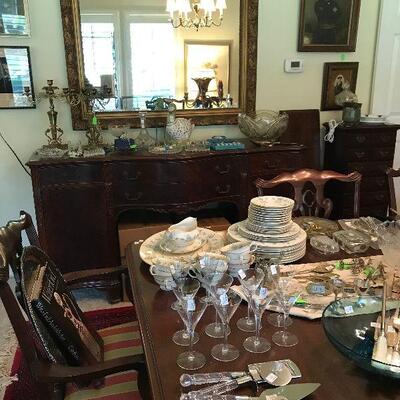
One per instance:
(239, 252)
(184, 233)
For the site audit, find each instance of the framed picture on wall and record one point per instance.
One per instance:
(328, 25)
(14, 19)
(15, 75)
(336, 76)
(207, 59)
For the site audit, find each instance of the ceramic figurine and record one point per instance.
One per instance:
(178, 129)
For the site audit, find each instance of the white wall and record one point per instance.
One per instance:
(278, 24)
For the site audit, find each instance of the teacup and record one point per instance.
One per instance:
(183, 233)
(163, 270)
(239, 252)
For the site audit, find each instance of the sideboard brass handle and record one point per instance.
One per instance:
(361, 138)
(132, 178)
(223, 171)
(219, 190)
(360, 154)
(135, 198)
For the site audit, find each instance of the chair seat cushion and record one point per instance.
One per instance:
(119, 341)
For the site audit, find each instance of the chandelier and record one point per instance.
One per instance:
(196, 13)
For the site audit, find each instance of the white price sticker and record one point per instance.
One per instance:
(242, 274)
(263, 292)
(348, 310)
(375, 325)
(224, 299)
(271, 378)
(191, 305)
(273, 270)
(172, 268)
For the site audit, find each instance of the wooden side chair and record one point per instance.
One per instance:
(116, 376)
(309, 199)
(111, 280)
(391, 175)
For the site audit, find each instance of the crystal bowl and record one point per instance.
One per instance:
(351, 332)
(265, 127)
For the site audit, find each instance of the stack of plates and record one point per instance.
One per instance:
(270, 226)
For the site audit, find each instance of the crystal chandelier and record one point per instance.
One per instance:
(196, 13)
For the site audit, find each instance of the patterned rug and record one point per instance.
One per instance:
(23, 387)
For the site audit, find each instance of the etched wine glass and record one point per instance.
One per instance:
(226, 306)
(250, 281)
(259, 301)
(337, 286)
(191, 310)
(185, 288)
(287, 294)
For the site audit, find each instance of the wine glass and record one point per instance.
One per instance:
(361, 286)
(177, 273)
(259, 300)
(191, 310)
(185, 289)
(337, 286)
(250, 281)
(226, 306)
(218, 285)
(287, 295)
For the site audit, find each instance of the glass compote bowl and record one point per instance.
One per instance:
(218, 285)
(250, 281)
(191, 311)
(259, 300)
(287, 295)
(226, 306)
(185, 289)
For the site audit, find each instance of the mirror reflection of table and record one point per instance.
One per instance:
(316, 357)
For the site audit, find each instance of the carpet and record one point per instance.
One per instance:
(24, 388)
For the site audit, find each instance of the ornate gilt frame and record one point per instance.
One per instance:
(247, 81)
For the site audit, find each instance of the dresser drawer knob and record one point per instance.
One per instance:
(220, 190)
(134, 198)
(361, 138)
(131, 178)
(223, 171)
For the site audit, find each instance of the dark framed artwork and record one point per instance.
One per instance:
(328, 25)
(15, 75)
(14, 18)
(335, 76)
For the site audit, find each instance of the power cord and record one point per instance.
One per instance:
(330, 136)
(15, 154)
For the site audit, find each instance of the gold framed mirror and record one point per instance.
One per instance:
(237, 64)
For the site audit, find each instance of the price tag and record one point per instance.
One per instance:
(224, 299)
(191, 305)
(375, 325)
(273, 270)
(169, 285)
(242, 274)
(396, 321)
(271, 378)
(348, 310)
(172, 268)
(263, 292)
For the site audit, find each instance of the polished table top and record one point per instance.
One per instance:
(316, 357)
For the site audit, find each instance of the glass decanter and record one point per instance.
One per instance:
(144, 140)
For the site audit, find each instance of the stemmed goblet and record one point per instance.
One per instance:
(185, 289)
(250, 281)
(287, 295)
(337, 286)
(226, 306)
(259, 299)
(191, 310)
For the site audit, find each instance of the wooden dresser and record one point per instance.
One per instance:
(80, 201)
(368, 149)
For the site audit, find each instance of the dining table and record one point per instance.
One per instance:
(318, 360)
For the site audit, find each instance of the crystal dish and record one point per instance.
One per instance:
(324, 244)
(352, 241)
(347, 325)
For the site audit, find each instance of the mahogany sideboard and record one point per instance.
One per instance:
(79, 202)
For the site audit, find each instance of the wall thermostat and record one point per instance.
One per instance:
(294, 66)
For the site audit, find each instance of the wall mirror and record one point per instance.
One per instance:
(132, 46)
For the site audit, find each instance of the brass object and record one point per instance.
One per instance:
(54, 132)
(224, 116)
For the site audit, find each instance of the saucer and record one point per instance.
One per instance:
(170, 247)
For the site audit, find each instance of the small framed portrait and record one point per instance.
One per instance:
(336, 77)
(14, 18)
(328, 25)
(15, 76)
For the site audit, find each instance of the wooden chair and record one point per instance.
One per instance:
(310, 199)
(55, 380)
(111, 280)
(391, 174)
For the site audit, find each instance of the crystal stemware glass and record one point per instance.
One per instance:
(191, 310)
(287, 295)
(259, 300)
(250, 280)
(177, 274)
(226, 306)
(218, 285)
(337, 286)
(185, 289)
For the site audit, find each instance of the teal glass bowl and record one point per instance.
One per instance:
(347, 324)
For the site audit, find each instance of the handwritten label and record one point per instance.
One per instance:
(271, 378)
(263, 292)
(242, 274)
(191, 305)
(348, 310)
(375, 325)
(224, 299)
(273, 270)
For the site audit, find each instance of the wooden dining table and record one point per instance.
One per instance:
(316, 357)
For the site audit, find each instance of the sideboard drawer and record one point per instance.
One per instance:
(382, 154)
(262, 164)
(369, 168)
(64, 174)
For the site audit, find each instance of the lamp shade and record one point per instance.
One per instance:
(171, 6)
(207, 5)
(221, 5)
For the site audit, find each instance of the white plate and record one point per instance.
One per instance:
(277, 202)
